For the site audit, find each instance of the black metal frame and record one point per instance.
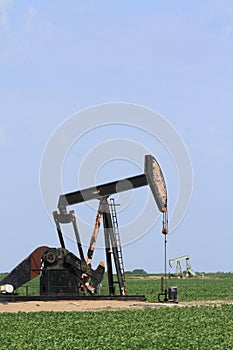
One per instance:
(110, 242)
(7, 298)
(102, 192)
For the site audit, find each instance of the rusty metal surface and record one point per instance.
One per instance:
(35, 260)
(156, 182)
(26, 270)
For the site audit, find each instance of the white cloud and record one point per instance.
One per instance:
(4, 7)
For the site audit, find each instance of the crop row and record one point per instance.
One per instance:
(194, 328)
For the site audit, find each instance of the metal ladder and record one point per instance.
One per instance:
(117, 237)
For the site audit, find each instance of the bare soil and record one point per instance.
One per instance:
(95, 305)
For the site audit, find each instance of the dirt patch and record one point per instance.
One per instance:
(145, 277)
(96, 305)
(208, 302)
(66, 305)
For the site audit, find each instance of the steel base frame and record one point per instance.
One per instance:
(24, 298)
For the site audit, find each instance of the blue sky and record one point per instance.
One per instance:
(175, 57)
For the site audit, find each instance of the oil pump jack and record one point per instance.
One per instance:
(62, 273)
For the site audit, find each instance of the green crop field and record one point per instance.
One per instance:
(196, 327)
(211, 287)
(203, 328)
(218, 286)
